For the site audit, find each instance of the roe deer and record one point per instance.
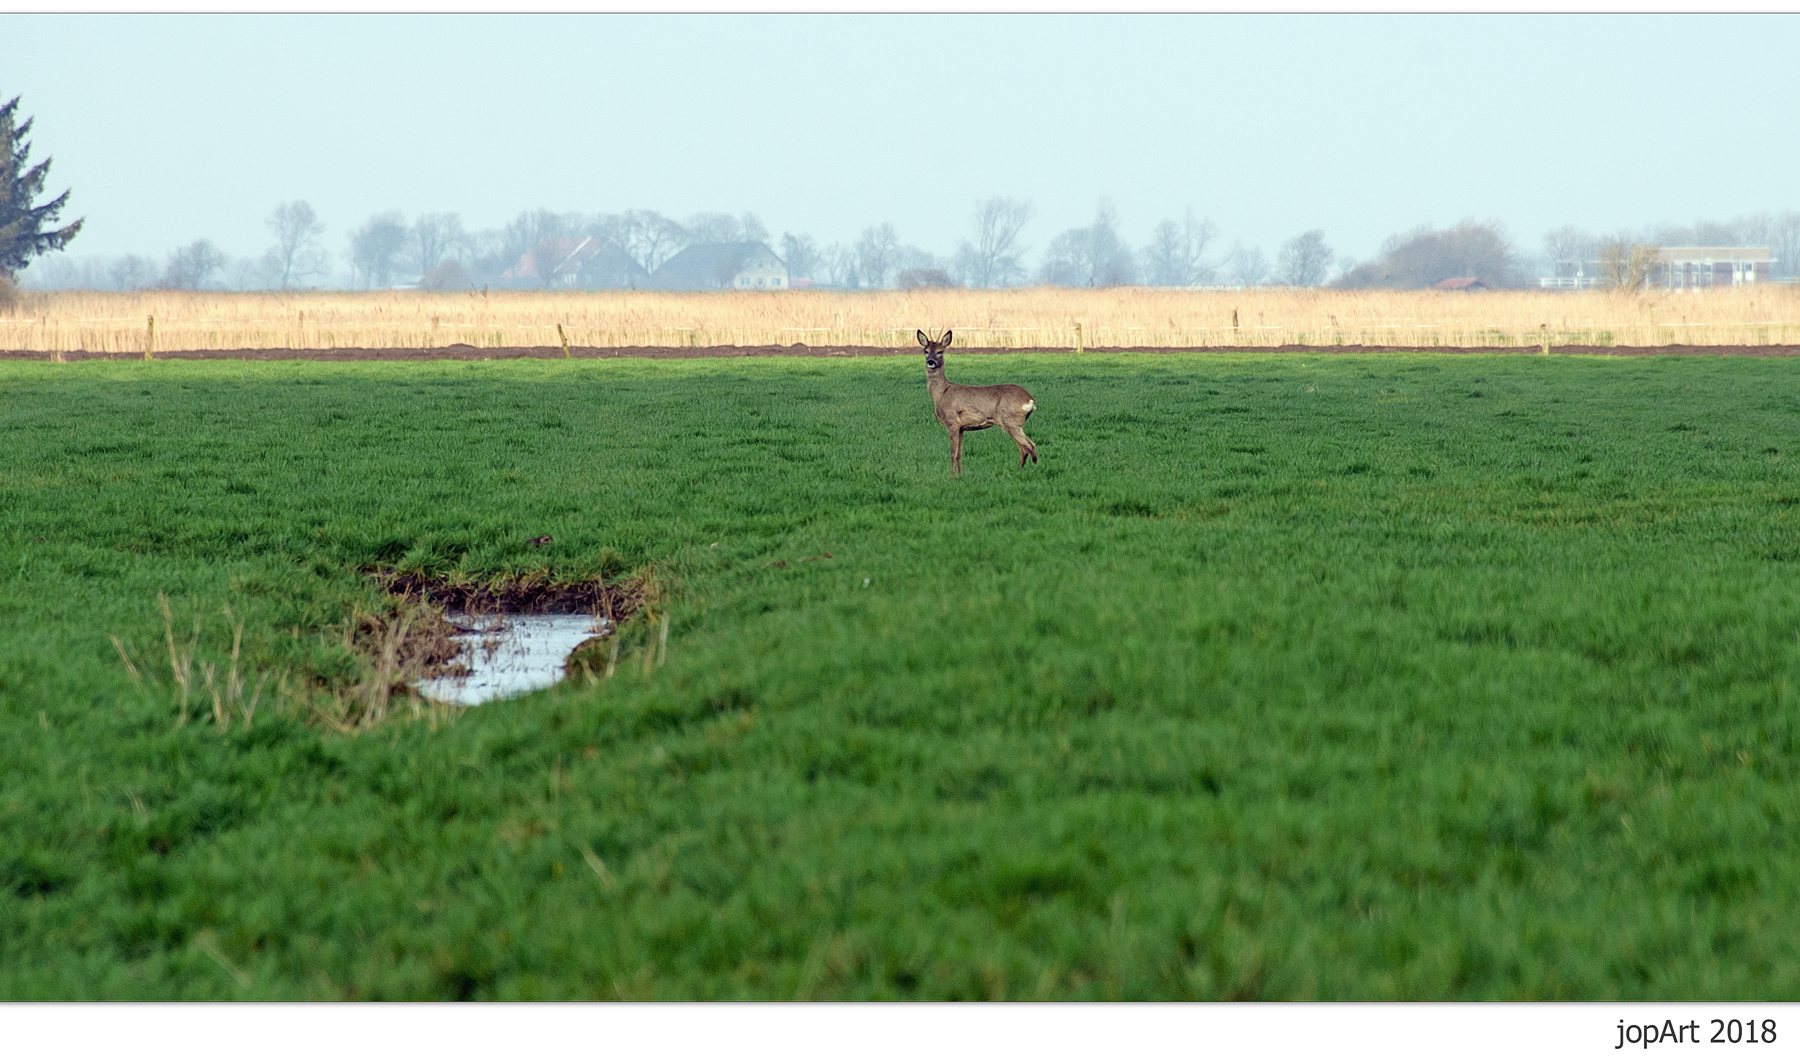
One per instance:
(962, 408)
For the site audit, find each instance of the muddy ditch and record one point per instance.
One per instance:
(463, 643)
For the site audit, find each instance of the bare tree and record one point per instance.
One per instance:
(1568, 249)
(193, 265)
(724, 228)
(1249, 266)
(608, 228)
(62, 272)
(1304, 260)
(375, 247)
(1093, 256)
(751, 230)
(712, 228)
(914, 257)
(1784, 242)
(877, 253)
(248, 273)
(1702, 233)
(650, 238)
(1754, 229)
(1176, 254)
(994, 257)
(525, 232)
(132, 272)
(1714, 233)
(801, 255)
(1627, 266)
(840, 265)
(432, 237)
(297, 252)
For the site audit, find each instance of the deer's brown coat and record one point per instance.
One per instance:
(961, 408)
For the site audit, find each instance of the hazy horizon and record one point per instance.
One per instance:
(172, 128)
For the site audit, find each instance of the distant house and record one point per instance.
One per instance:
(1461, 283)
(578, 261)
(611, 268)
(923, 278)
(1686, 268)
(1692, 267)
(722, 266)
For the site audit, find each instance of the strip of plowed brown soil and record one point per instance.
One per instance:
(691, 352)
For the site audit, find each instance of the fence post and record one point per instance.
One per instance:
(559, 334)
(1079, 345)
(150, 338)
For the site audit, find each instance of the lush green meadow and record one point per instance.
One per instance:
(1282, 676)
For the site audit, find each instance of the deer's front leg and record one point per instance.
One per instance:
(955, 449)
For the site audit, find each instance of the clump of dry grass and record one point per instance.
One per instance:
(395, 651)
(400, 649)
(395, 648)
(115, 324)
(189, 676)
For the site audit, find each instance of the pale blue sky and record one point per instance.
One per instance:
(172, 128)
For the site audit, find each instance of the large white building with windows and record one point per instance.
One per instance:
(1688, 268)
(1695, 267)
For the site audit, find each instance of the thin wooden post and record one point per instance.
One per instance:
(150, 338)
(560, 334)
(1080, 347)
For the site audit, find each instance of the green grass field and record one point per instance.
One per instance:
(1409, 676)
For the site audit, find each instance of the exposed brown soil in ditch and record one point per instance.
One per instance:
(701, 352)
(412, 644)
(617, 601)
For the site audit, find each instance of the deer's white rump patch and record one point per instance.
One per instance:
(1030, 406)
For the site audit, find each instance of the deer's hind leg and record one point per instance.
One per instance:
(1027, 448)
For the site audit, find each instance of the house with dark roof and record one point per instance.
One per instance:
(577, 261)
(722, 266)
(611, 268)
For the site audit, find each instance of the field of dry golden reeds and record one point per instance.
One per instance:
(1044, 318)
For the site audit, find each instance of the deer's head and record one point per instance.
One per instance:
(934, 350)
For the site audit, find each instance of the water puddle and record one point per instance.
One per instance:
(511, 654)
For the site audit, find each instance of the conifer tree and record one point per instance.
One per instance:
(22, 225)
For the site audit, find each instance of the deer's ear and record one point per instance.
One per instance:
(945, 340)
(923, 341)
